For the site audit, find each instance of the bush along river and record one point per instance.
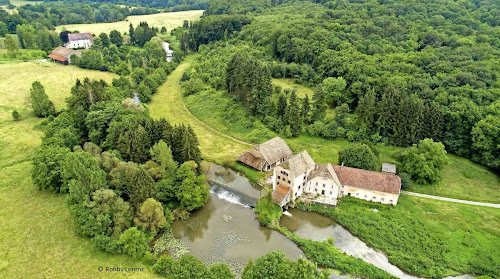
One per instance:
(225, 229)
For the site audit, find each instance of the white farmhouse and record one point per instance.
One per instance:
(79, 40)
(168, 51)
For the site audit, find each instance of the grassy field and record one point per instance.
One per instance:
(168, 103)
(287, 83)
(37, 237)
(17, 78)
(23, 2)
(426, 237)
(169, 20)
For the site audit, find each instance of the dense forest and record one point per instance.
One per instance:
(394, 72)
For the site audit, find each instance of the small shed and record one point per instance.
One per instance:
(389, 168)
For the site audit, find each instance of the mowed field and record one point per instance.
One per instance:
(57, 79)
(37, 237)
(169, 20)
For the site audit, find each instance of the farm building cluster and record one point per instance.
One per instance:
(79, 42)
(298, 176)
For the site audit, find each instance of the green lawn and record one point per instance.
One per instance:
(169, 20)
(37, 237)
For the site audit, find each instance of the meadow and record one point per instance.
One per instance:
(287, 83)
(168, 20)
(37, 239)
(23, 2)
(57, 79)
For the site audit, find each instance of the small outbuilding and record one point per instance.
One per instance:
(267, 155)
(389, 168)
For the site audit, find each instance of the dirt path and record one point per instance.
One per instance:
(494, 205)
(168, 103)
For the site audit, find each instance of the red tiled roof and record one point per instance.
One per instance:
(58, 57)
(280, 193)
(371, 180)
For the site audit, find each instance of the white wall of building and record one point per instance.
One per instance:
(79, 44)
(322, 186)
(369, 195)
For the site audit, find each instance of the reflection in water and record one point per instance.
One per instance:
(229, 232)
(318, 227)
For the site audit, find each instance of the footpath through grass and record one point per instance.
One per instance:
(169, 20)
(37, 236)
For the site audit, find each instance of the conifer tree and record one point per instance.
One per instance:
(281, 106)
(40, 102)
(319, 105)
(306, 108)
(292, 116)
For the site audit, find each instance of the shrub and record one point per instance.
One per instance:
(15, 115)
(108, 244)
(358, 156)
(405, 180)
(163, 265)
(134, 243)
(424, 161)
(268, 213)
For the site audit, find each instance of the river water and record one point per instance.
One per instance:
(226, 230)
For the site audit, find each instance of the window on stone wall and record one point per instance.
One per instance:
(315, 190)
(382, 199)
(330, 192)
(390, 201)
(324, 185)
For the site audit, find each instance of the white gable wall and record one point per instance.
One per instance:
(79, 44)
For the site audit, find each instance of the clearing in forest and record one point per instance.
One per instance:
(169, 20)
